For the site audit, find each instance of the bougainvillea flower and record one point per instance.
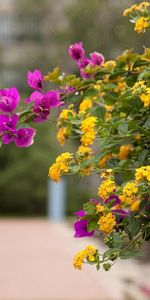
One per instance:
(80, 213)
(8, 122)
(97, 59)
(83, 62)
(95, 201)
(67, 90)
(54, 98)
(9, 99)
(114, 199)
(76, 51)
(8, 127)
(35, 79)
(120, 214)
(24, 137)
(81, 229)
(43, 103)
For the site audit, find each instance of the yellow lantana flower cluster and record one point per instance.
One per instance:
(99, 208)
(136, 7)
(87, 253)
(107, 223)
(141, 24)
(64, 114)
(107, 187)
(139, 88)
(145, 97)
(84, 153)
(88, 131)
(138, 14)
(124, 151)
(85, 104)
(143, 173)
(129, 196)
(102, 162)
(61, 166)
(62, 135)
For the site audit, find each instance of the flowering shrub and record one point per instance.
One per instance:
(106, 109)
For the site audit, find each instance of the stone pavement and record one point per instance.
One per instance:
(36, 264)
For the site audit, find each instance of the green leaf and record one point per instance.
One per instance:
(130, 253)
(92, 224)
(147, 124)
(131, 226)
(112, 163)
(89, 208)
(123, 128)
(100, 112)
(115, 240)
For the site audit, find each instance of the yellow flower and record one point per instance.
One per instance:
(130, 188)
(126, 200)
(54, 172)
(86, 171)
(121, 86)
(84, 105)
(87, 253)
(124, 151)
(135, 205)
(97, 87)
(102, 162)
(79, 259)
(107, 173)
(129, 195)
(108, 111)
(110, 64)
(142, 173)
(141, 24)
(107, 187)
(107, 223)
(99, 208)
(61, 166)
(138, 87)
(143, 5)
(64, 114)
(88, 132)
(138, 137)
(130, 10)
(145, 97)
(84, 152)
(62, 135)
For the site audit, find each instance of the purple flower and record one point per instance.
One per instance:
(97, 59)
(54, 98)
(67, 90)
(24, 137)
(8, 122)
(114, 199)
(94, 201)
(35, 79)
(43, 103)
(81, 229)
(8, 127)
(83, 62)
(9, 99)
(76, 51)
(80, 213)
(120, 214)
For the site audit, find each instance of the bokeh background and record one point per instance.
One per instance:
(35, 34)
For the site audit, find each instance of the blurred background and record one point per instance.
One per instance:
(35, 34)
